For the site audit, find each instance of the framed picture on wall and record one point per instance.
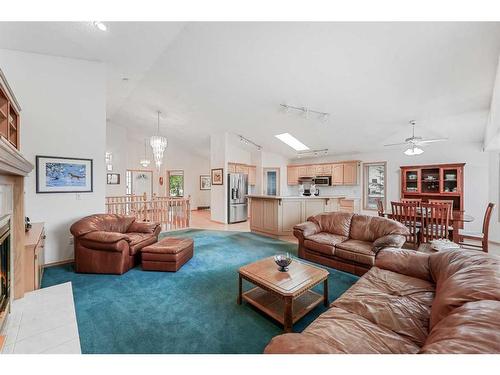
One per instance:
(204, 182)
(218, 176)
(56, 174)
(113, 179)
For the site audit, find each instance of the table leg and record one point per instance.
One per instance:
(325, 293)
(288, 321)
(240, 289)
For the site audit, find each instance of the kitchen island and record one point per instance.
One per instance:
(276, 215)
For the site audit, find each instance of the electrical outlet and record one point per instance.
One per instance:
(78, 196)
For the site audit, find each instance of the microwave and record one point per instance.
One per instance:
(323, 181)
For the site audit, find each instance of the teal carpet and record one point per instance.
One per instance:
(191, 311)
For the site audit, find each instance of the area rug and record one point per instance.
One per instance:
(191, 311)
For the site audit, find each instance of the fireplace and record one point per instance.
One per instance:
(4, 262)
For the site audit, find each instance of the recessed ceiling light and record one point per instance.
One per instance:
(101, 26)
(291, 141)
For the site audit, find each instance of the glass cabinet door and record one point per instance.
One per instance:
(450, 180)
(411, 178)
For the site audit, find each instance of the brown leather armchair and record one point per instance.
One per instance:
(106, 243)
(347, 241)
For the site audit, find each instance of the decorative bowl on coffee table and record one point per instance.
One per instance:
(283, 261)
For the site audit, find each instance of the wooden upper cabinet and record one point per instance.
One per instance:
(350, 173)
(292, 174)
(252, 174)
(241, 169)
(302, 171)
(231, 168)
(9, 114)
(311, 171)
(338, 174)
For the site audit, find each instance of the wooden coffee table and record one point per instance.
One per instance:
(284, 296)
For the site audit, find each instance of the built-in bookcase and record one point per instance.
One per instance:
(9, 115)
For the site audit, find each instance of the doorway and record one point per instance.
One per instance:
(271, 181)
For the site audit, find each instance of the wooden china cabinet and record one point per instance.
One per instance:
(9, 114)
(435, 181)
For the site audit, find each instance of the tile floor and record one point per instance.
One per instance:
(44, 321)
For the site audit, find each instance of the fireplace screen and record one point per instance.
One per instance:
(4, 264)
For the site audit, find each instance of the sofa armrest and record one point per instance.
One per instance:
(143, 227)
(298, 343)
(104, 241)
(390, 240)
(306, 229)
(407, 262)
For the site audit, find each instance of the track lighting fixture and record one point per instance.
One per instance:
(249, 142)
(305, 111)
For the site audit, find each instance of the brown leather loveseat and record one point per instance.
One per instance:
(106, 243)
(346, 241)
(410, 302)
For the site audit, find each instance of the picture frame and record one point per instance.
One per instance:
(205, 182)
(113, 178)
(217, 175)
(56, 174)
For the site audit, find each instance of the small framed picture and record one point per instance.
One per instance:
(218, 176)
(204, 182)
(63, 175)
(113, 179)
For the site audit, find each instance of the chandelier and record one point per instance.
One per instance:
(144, 161)
(158, 144)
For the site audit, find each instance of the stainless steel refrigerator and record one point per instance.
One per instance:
(237, 203)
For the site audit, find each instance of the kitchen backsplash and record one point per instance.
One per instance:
(348, 191)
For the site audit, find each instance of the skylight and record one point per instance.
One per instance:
(291, 141)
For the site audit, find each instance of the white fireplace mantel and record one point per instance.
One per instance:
(12, 162)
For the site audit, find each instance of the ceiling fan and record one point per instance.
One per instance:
(413, 142)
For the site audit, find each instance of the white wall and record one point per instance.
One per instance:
(63, 114)
(218, 159)
(117, 143)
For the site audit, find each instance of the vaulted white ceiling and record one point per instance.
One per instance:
(212, 77)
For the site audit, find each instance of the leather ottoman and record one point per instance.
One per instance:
(169, 254)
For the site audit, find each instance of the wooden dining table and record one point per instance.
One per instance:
(458, 218)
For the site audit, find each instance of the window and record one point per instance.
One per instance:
(271, 181)
(374, 185)
(176, 183)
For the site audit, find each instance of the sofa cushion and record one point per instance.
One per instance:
(462, 276)
(369, 228)
(323, 242)
(471, 328)
(139, 240)
(333, 222)
(356, 251)
(102, 222)
(354, 334)
(396, 302)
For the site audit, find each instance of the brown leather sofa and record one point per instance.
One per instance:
(106, 243)
(346, 241)
(410, 302)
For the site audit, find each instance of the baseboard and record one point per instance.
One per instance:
(60, 263)
(494, 242)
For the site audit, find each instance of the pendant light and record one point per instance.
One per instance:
(158, 144)
(144, 161)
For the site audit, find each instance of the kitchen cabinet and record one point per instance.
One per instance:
(350, 174)
(249, 170)
(337, 174)
(292, 175)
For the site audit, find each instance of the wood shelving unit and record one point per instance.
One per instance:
(437, 181)
(9, 115)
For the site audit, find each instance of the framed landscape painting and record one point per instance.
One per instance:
(63, 175)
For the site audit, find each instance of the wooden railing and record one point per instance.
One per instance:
(171, 213)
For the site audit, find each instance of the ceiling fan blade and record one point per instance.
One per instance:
(396, 144)
(424, 141)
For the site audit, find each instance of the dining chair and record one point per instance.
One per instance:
(478, 236)
(407, 200)
(450, 203)
(406, 213)
(380, 208)
(435, 221)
